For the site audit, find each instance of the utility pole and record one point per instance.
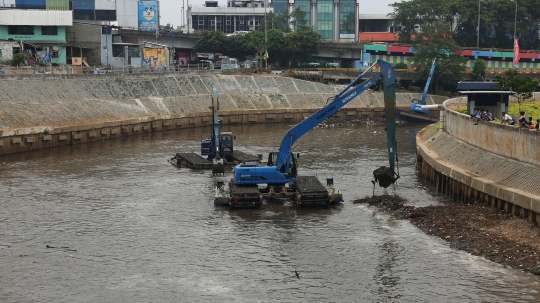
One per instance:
(107, 46)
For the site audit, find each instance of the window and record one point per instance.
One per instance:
(241, 21)
(201, 22)
(228, 22)
(212, 22)
(49, 30)
(20, 30)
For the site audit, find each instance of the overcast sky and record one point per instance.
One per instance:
(171, 10)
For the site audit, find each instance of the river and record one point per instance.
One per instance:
(115, 222)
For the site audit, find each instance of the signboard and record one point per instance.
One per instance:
(516, 53)
(147, 15)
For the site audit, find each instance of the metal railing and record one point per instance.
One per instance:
(78, 70)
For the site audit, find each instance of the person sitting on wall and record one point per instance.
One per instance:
(522, 123)
(474, 112)
(531, 125)
(487, 116)
(478, 116)
(522, 115)
(537, 124)
(507, 119)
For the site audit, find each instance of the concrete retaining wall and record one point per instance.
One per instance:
(505, 140)
(41, 111)
(482, 162)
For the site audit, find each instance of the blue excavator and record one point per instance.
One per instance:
(416, 105)
(281, 167)
(218, 146)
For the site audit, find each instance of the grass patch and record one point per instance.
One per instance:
(532, 109)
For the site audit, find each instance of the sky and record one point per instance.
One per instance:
(171, 10)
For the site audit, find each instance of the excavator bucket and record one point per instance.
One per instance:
(384, 176)
(218, 168)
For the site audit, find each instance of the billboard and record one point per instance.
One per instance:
(148, 15)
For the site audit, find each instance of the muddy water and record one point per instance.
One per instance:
(114, 222)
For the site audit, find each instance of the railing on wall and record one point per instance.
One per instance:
(72, 70)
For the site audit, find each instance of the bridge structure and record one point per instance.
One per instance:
(349, 53)
(329, 50)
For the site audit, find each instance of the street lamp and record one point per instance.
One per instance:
(172, 44)
(514, 42)
(106, 46)
(515, 17)
(478, 29)
(265, 36)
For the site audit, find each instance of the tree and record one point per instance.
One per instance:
(300, 45)
(18, 59)
(276, 45)
(436, 42)
(497, 19)
(254, 42)
(298, 19)
(522, 86)
(233, 47)
(210, 41)
(479, 70)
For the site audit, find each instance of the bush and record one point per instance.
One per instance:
(18, 59)
(401, 65)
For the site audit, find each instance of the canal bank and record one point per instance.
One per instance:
(498, 165)
(44, 111)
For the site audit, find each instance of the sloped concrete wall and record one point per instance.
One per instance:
(38, 103)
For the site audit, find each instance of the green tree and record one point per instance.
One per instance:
(479, 70)
(17, 59)
(210, 41)
(497, 19)
(298, 19)
(255, 43)
(233, 47)
(522, 86)
(300, 45)
(276, 45)
(436, 42)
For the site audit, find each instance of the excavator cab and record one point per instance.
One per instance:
(226, 144)
(292, 172)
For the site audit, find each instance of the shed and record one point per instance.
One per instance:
(485, 95)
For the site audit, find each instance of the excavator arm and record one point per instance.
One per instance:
(340, 100)
(431, 71)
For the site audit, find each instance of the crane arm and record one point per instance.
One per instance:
(431, 71)
(341, 99)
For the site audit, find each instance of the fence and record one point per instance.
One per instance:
(71, 70)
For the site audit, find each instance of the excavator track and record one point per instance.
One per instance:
(310, 192)
(244, 196)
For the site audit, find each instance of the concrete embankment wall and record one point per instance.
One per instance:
(42, 111)
(493, 163)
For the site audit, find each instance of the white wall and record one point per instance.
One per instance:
(127, 13)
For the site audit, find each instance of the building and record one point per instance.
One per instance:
(377, 28)
(36, 33)
(239, 15)
(333, 19)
